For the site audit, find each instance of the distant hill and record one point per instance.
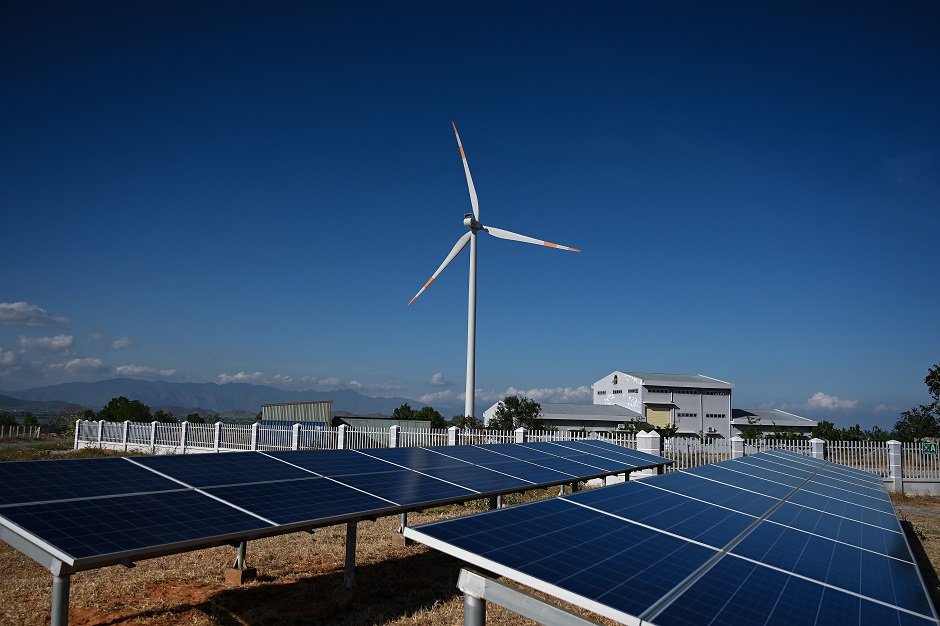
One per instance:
(38, 407)
(227, 399)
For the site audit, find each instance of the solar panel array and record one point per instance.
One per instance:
(86, 513)
(774, 538)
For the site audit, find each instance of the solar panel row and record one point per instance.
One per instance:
(776, 538)
(91, 512)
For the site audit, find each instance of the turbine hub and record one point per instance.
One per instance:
(470, 222)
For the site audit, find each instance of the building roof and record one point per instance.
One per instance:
(597, 412)
(768, 417)
(681, 380)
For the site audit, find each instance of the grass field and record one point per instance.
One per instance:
(300, 579)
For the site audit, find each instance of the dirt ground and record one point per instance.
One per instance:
(300, 580)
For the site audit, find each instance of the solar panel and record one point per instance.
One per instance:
(84, 513)
(768, 539)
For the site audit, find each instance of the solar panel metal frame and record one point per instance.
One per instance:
(60, 562)
(462, 532)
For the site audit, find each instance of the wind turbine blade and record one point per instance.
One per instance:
(466, 168)
(505, 234)
(450, 257)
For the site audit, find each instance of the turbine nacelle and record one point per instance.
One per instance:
(471, 222)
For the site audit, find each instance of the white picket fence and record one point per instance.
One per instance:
(19, 432)
(917, 462)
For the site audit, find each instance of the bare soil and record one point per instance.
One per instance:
(300, 580)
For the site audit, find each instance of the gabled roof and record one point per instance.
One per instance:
(679, 380)
(596, 412)
(768, 417)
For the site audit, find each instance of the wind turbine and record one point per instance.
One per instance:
(472, 222)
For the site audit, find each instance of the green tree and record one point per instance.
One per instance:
(404, 412)
(165, 417)
(7, 419)
(751, 432)
(466, 421)
(428, 414)
(517, 411)
(827, 430)
(923, 421)
(30, 420)
(121, 409)
(666, 431)
(195, 418)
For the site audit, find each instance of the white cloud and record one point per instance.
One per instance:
(26, 314)
(255, 378)
(440, 396)
(438, 380)
(86, 365)
(7, 358)
(821, 400)
(552, 394)
(47, 344)
(143, 371)
(120, 343)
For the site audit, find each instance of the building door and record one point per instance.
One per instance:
(658, 416)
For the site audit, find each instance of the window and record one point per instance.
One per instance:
(618, 390)
(686, 414)
(658, 390)
(688, 392)
(716, 415)
(717, 392)
(633, 390)
(602, 393)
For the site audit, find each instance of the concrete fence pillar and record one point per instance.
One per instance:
(452, 435)
(217, 438)
(100, 431)
(254, 436)
(394, 436)
(184, 431)
(341, 437)
(153, 436)
(894, 466)
(127, 424)
(522, 434)
(650, 443)
(78, 430)
(818, 448)
(295, 437)
(737, 447)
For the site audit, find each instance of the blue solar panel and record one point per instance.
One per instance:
(294, 501)
(32, 481)
(335, 462)
(203, 470)
(122, 524)
(420, 459)
(407, 488)
(780, 554)
(541, 458)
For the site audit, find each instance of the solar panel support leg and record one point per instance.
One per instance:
(496, 502)
(240, 552)
(349, 573)
(60, 600)
(474, 611)
(402, 524)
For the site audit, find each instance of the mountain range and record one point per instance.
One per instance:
(206, 398)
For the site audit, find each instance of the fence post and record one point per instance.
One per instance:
(127, 424)
(394, 436)
(254, 436)
(737, 447)
(894, 466)
(295, 437)
(184, 430)
(452, 435)
(217, 441)
(341, 437)
(819, 448)
(650, 443)
(153, 436)
(78, 427)
(522, 434)
(100, 431)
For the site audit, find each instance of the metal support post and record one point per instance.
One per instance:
(60, 600)
(474, 611)
(241, 551)
(403, 521)
(349, 573)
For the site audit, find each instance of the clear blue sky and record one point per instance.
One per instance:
(254, 191)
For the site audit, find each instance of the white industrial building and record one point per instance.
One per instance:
(694, 403)
(771, 421)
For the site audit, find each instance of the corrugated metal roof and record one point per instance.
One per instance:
(610, 412)
(681, 380)
(768, 417)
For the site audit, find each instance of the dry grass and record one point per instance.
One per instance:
(300, 580)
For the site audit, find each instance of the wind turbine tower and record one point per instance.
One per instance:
(472, 222)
